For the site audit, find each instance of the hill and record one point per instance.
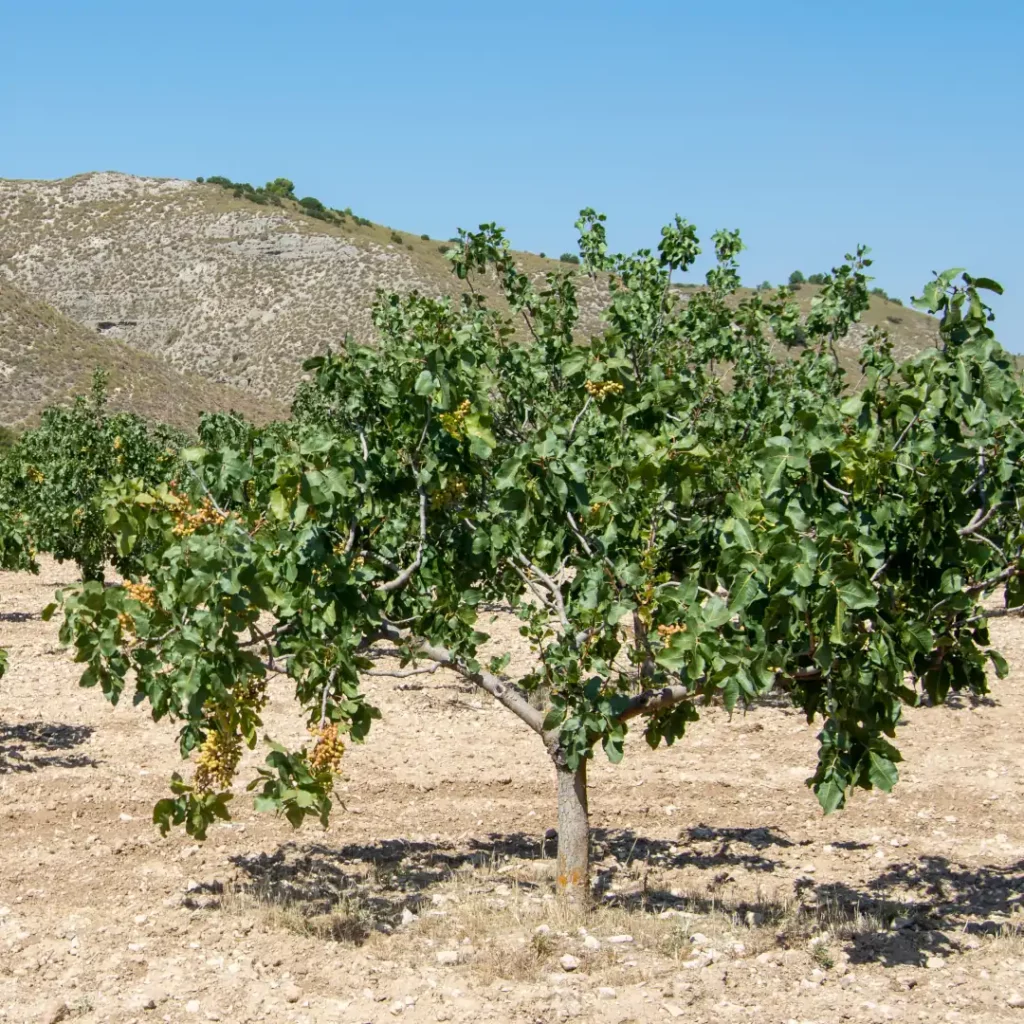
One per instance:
(236, 292)
(45, 358)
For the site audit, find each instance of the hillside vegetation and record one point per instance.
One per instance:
(45, 358)
(242, 292)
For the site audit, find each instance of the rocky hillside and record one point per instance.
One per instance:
(45, 358)
(232, 291)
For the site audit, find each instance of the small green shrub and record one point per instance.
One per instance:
(309, 204)
(817, 278)
(200, 179)
(281, 187)
(569, 257)
(426, 238)
(796, 279)
(397, 238)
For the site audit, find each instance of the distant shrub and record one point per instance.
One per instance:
(455, 238)
(881, 293)
(200, 179)
(443, 248)
(764, 286)
(281, 187)
(817, 278)
(363, 222)
(397, 238)
(796, 278)
(898, 302)
(569, 257)
(310, 204)
(543, 255)
(426, 238)
(219, 179)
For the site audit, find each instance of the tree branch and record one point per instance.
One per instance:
(651, 701)
(406, 574)
(403, 673)
(504, 692)
(978, 520)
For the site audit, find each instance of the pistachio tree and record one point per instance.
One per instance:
(679, 510)
(53, 477)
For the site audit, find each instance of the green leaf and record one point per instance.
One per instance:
(988, 284)
(553, 719)
(882, 773)
(831, 795)
(856, 593)
(278, 504)
(425, 384)
(617, 611)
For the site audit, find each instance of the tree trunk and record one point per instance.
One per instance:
(573, 834)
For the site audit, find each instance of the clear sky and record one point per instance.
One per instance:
(810, 126)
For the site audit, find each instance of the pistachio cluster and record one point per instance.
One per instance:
(218, 759)
(675, 627)
(454, 422)
(141, 592)
(601, 388)
(328, 749)
(188, 519)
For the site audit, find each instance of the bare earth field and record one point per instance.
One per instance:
(430, 897)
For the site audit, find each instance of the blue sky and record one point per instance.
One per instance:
(810, 126)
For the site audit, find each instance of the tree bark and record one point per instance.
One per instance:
(573, 834)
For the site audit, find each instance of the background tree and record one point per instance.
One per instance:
(52, 477)
(283, 187)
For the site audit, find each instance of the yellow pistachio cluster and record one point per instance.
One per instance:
(141, 592)
(35, 475)
(188, 519)
(218, 758)
(666, 631)
(454, 422)
(328, 749)
(601, 388)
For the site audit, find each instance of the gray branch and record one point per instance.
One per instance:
(407, 573)
(502, 690)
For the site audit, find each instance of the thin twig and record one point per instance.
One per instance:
(198, 479)
(328, 685)
(579, 535)
(836, 490)
(403, 673)
(906, 430)
(579, 416)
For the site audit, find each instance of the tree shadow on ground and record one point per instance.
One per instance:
(33, 746)
(929, 907)
(905, 915)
